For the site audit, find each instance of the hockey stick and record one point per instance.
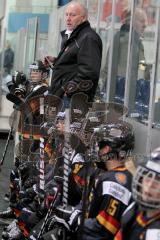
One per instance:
(8, 139)
(6, 146)
(52, 205)
(66, 158)
(87, 164)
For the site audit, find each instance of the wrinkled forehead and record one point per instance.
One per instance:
(142, 19)
(74, 8)
(141, 16)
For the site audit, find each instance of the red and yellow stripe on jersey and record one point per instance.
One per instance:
(118, 235)
(48, 149)
(78, 174)
(80, 181)
(110, 223)
(142, 221)
(29, 136)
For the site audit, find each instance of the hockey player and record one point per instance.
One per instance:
(111, 193)
(141, 220)
(33, 205)
(35, 86)
(38, 73)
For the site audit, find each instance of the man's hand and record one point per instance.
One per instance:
(49, 61)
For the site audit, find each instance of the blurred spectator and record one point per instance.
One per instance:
(120, 53)
(8, 58)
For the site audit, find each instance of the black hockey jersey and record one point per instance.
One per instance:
(137, 226)
(109, 198)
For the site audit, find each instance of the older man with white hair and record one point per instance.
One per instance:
(77, 66)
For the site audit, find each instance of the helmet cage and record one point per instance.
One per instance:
(149, 178)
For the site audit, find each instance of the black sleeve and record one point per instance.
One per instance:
(89, 59)
(88, 63)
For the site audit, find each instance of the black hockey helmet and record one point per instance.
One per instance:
(146, 182)
(38, 65)
(38, 72)
(118, 136)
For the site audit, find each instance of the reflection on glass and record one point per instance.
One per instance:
(139, 74)
(156, 119)
(141, 91)
(6, 65)
(141, 52)
(119, 54)
(31, 42)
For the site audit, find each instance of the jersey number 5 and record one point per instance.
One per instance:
(112, 207)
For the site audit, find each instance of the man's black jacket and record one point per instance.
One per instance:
(77, 66)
